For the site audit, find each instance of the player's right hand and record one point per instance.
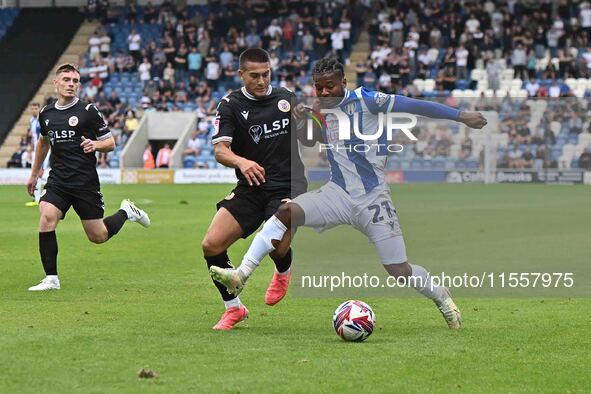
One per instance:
(254, 173)
(31, 183)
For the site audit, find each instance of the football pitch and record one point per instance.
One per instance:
(145, 299)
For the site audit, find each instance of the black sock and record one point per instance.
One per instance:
(114, 222)
(221, 260)
(284, 263)
(48, 252)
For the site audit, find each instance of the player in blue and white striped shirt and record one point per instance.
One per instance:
(357, 193)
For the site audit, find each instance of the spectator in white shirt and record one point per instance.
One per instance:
(338, 43)
(134, 41)
(519, 60)
(587, 56)
(424, 57)
(472, 24)
(194, 145)
(532, 87)
(144, 70)
(94, 43)
(585, 16)
(212, 73)
(554, 90)
(105, 47)
(274, 29)
(462, 62)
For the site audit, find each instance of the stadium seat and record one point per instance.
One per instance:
(489, 93)
(477, 75)
(501, 93)
(482, 84)
(571, 83)
(579, 92)
(462, 84)
(419, 84)
(189, 162)
(429, 85)
(516, 83)
(507, 74)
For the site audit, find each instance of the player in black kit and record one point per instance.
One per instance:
(253, 135)
(75, 131)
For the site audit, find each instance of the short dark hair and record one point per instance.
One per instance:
(35, 104)
(67, 67)
(329, 65)
(255, 55)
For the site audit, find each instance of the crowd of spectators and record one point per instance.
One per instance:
(543, 42)
(192, 61)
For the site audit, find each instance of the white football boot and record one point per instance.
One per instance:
(134, 214)
(449, 310)
(48, 283)
(228, 277)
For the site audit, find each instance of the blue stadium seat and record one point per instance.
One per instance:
(573, 139)
(417, 163)
(189, 162)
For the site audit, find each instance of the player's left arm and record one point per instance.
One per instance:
(104, 145)
(98, 124)
(429, 109)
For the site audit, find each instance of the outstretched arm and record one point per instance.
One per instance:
(433, 110)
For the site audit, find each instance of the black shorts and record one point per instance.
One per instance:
(251, 206)
(87, 204)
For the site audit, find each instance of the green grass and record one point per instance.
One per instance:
(144, 299)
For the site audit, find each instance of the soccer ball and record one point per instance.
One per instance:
(354, 321)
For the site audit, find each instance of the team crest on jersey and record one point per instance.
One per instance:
(73, 121)
(283, 105)
(46, 122)
(380, 98)
(255, 132)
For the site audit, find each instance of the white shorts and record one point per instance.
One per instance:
(373, 214)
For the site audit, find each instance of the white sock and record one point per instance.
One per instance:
(246, 268)
(261, 246)
(424, 283)
(52, 278)
(234, 303)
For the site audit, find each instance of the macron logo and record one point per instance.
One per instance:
(245, 114)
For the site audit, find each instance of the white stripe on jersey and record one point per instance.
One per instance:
(359, 172)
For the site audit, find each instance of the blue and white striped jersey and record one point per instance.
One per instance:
(357, 165)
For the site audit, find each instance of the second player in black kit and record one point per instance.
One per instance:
(253, 134)
(259, 129)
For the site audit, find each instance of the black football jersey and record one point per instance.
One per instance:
(64, 127)
(259, 129)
